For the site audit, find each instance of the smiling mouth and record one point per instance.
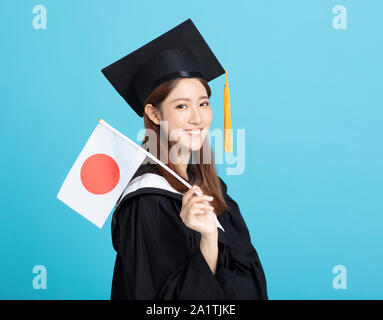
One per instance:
(194, 133)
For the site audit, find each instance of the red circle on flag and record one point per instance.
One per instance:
(100, 174)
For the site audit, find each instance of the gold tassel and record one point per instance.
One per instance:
(227, 118)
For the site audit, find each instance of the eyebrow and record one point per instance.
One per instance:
(187, 99)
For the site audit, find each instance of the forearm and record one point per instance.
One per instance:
(209, 249)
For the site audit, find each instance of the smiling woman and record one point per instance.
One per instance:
(166, 237)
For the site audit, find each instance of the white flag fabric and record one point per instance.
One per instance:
(100, 174)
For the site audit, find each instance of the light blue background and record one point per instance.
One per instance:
(309, 97)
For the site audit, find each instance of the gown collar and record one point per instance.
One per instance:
(148, 180)
(152, 181)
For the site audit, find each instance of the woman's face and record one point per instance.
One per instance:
(188, 113)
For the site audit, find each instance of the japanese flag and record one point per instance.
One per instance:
(100, 174)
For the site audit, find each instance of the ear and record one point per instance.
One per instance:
(153, 113)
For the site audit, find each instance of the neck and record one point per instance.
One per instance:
(181, 163)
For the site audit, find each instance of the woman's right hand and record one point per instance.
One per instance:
(194, 212)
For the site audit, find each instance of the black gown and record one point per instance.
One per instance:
(159, 258)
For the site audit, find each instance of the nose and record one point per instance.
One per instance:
(195, 116)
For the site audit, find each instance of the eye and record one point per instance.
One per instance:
(205, 104)
(181, 105)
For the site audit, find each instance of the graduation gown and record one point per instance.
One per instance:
(159, 258)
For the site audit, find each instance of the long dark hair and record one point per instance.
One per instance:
(203, 175)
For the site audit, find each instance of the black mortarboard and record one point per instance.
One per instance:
(180, 52)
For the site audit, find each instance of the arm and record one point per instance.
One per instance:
(209, 249)
(195, 214)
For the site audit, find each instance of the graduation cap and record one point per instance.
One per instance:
(179, 53)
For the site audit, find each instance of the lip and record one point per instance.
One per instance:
(188, 131)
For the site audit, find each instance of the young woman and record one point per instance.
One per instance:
(168, 244)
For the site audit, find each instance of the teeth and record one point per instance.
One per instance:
(194, 132)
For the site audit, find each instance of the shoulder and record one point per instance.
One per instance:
(233, 206)
(225, 191)
(238, 234)
(147, 198)
(148, 193)
(149, 186)
(148, 210)
(223, 186)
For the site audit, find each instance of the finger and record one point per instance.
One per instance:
(198, 189)
(189, 219)
(201, 199)
(203, 206)
(188, 194)
(209, 198)
(196, 211)
(200, 214)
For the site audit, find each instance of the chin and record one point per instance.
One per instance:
(195, 149)
(192, 147)
(196, 145)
